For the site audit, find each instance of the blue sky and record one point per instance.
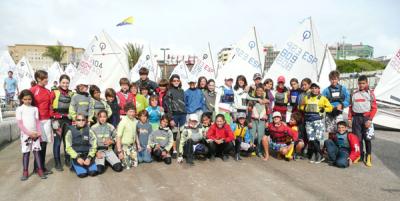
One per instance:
(187, 26)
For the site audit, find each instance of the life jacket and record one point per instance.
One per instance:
(62, 101)
(294, 95)
(312, 104)
(278, 134)
(281, 98)
(228, 95)
(342, 140)
(83, 103)
(98, 105)
(196, 134)
(240, 131)
(103, 132)
(336, 95)
(361, 101)
(80, 139)
(123, 100)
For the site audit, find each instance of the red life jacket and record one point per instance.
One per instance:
(123, 101)
(279, 134)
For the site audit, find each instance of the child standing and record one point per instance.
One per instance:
(155, 112)
(124, 96)
(42, 100)
(61, 99)
(115, 108)
(139, 101)
(194, 100)
(160, 142)
(294, 94)
(362, 110)
(268, 85)
(79, 102)
(314, 107)
(96, 104)
(29, 124)
(144, 130)
(126, 137)
(281, 98)
(259, 117)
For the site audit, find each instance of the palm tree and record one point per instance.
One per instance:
(56, 52)
(133, 52)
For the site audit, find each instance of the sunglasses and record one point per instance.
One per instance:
(175, 80)
(80, 119)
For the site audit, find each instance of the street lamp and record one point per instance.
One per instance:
(165, 63)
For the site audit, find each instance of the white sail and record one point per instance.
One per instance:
(24, 74)
(54, 73)
(104, 63)
(6, 64)
(247, 60)
(146, 60)
(389, 85)
(70, 70)
(204, 66)
(303, 55)
(182, 70)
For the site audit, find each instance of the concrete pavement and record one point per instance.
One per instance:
(249, 179)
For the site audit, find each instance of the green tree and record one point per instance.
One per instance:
(133, 52)
(56, 52)
(358, 65)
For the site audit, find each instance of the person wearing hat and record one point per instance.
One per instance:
(144, 80)
(257, 78)
(194, 99)
(243, 137)
(314, 106)
(278, 137)
(281, 98)
(225, 99)
(192, 140)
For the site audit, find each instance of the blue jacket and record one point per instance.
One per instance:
(344, 93)
(194, 100)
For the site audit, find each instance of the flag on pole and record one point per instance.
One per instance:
(126, 21)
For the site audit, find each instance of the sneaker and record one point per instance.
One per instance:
(313, 158)
(225, 157)
(58, 166)
(135, 163)
(25, 176)
(319, 159)
(41, 174)
(237, 157)
(212, 158)
(47, 171)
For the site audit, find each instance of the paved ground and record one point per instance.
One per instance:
(250, 179)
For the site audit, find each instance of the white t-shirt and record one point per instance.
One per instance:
(28, 115)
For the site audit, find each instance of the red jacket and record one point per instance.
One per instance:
(225, 133)
(122, 101)
(160, 96)
(278, 134)
(295, 132)
(42, 100)
(371, 113)
(354, 145)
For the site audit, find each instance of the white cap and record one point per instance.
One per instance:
(276, 114)
(193, 117)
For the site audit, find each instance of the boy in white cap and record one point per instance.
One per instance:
(225, 99)
(192, 140)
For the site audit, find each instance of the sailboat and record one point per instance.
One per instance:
(246, 60)
(387, 96)
(204, 66)
(54, 73)
(304, 55)
(104, 63)
(24, 74)
(70, 70)
(6, 64)
(146, 60)
(182, 70)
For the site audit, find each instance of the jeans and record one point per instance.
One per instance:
(179, 119)
(258, 126)
(338, 155)
(144, 156)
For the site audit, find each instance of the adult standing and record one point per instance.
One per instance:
(10, 87)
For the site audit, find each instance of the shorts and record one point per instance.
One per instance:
(331, 121)
(47, 131)
(28, 144)
(276, 146)
(315, 130)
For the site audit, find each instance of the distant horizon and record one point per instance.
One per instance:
(186, 27)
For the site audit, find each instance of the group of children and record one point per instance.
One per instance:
(146, 121)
